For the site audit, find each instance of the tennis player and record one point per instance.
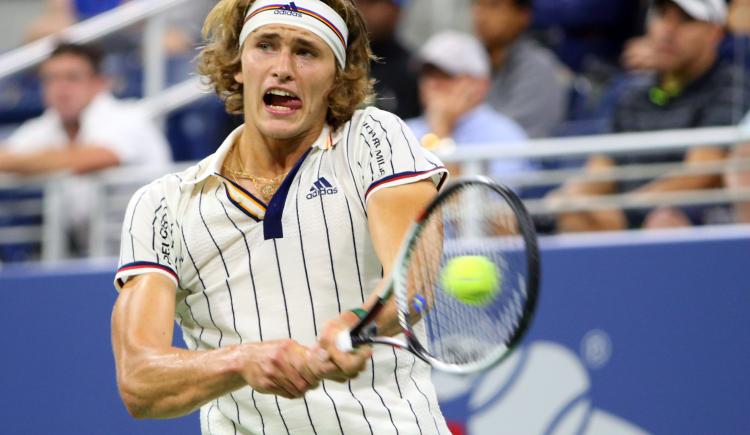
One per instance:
(268, 248)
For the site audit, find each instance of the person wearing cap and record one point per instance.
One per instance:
(453, 85)
(528, 83)
(269, 248)
(393, 71)
(689, 88)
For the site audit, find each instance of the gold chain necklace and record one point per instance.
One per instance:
(265, 186)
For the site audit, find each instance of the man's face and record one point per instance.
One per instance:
(381, 17)
(679, 40)
(287, 73)
(69, 84)
(436, 85)
(499, 22)
(434, 82)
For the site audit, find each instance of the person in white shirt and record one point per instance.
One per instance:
(267, 249)
(83, 129)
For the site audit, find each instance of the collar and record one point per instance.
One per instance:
(697, 82)
(100, 104)
(212, 164)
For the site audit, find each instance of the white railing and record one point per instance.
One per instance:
(174, 97)
(46, 204)
(132, 12)
(622, 143)
(115, 186)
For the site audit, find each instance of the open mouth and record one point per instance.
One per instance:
(281, 101)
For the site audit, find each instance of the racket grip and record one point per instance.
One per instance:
(344, 341)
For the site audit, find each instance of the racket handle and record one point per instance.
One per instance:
(344, 341)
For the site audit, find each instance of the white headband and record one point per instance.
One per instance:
(312, 15)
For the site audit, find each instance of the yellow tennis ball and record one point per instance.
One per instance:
(472, 279)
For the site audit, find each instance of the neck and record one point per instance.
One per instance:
(71, 129)
(267, 157)
(690, 73)
(498, 56)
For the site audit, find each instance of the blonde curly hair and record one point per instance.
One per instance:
(220, 61)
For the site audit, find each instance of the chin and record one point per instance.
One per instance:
(279, 132)
(69, 117)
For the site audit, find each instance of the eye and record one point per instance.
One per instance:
(306, 52)
(264, 45)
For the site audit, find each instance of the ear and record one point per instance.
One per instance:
(238, 77)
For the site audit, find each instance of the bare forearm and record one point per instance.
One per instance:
(680, 183)
(78, 160)
(174, 382)
(589, 221)
(155, 379)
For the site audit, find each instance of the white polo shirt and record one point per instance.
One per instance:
(247, 271)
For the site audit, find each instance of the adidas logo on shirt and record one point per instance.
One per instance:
(320, 188)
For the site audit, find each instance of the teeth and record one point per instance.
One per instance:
(280, 108)
(281, 93)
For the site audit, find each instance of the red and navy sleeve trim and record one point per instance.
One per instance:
(144, 265)
(404, 176)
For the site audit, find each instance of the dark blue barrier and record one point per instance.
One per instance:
(630, 337)
(57, 373)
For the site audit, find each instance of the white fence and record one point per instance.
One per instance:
(33, 211)
(114, 187)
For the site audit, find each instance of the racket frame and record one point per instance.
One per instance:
(364, 332)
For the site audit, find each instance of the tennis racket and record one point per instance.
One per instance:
(471, 217)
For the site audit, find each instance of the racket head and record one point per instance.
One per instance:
(470, 217)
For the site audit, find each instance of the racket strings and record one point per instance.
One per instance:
(472, 221)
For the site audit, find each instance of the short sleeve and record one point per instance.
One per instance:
(388, 154)
(148, 243)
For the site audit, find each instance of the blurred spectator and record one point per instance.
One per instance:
(690, 88)
(183, 23)
(83, 129)
(61, 14)
(587, 35)
(453, 85)
(423, 18)
(395, 79)
(527, 83)
(639, 54)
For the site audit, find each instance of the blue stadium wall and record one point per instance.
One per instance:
(634, 334)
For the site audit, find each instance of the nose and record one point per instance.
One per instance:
(283, 68)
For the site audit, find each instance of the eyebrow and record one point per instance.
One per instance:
(273, 36)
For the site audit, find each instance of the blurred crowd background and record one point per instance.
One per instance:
(461, 72)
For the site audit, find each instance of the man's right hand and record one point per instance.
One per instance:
(328, 362)
(277, 367)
